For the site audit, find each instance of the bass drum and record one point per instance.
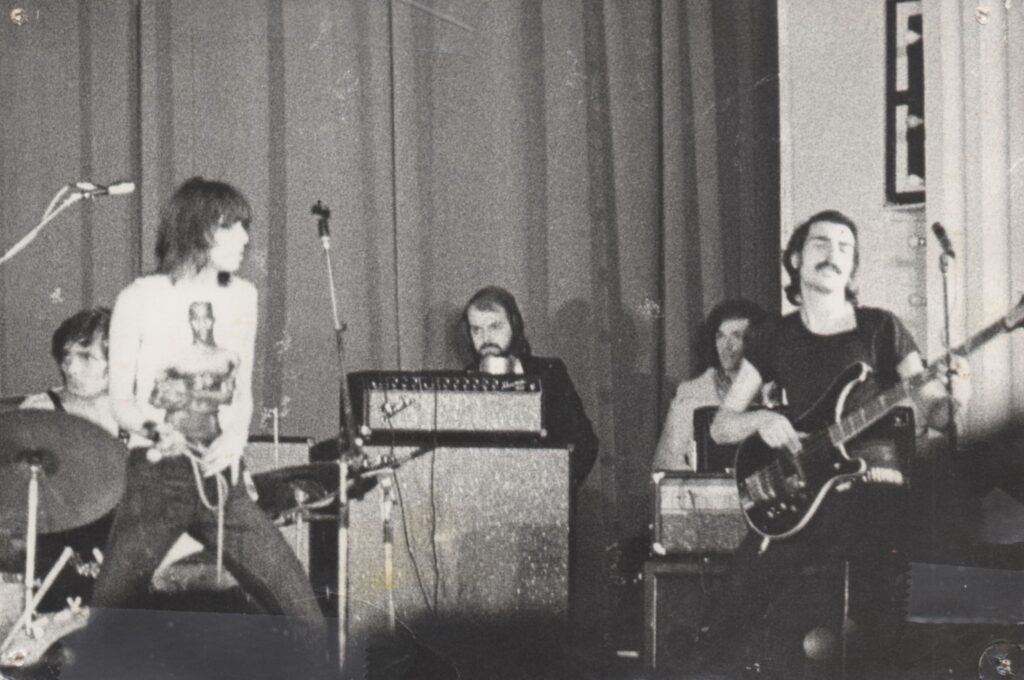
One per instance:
(77, 578)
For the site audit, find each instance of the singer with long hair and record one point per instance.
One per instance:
(182, 344)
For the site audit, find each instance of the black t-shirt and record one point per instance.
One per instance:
(805, 364)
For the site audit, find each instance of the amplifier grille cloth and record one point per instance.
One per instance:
(697, 514)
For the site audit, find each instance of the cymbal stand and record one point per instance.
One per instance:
(34, 467)
(25, 620)
(300, 520)
(387, 503)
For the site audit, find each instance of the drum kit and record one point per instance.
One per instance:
(59, 472)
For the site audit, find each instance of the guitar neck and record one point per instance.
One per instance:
(857, 421)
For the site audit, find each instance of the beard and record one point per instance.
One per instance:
(492, 350)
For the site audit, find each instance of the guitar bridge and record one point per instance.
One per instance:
(794, 484)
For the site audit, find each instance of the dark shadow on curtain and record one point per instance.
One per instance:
(272, 329)
(447, 346)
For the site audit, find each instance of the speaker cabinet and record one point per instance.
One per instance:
(798, 634)
(480, 553)
(676, 593)
(263, 454)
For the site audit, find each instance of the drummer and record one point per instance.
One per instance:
(79, 346)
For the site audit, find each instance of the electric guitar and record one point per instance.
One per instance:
(780, 491)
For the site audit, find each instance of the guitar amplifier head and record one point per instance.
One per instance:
(401, 406)
(696, 513)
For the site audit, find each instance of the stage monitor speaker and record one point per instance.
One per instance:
(676, 593)
(263, 454)
(480, 552)
(796, 634)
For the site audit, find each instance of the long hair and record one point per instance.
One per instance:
(493, 298)
(188, 218)
(737, 308)
(796, 245)
(85, 327)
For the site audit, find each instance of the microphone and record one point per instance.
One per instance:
(90, 190)
(940, 233)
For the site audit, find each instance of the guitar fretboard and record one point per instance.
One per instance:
(858, 420)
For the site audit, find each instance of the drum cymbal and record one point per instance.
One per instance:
(81, 475)
(287, 488)
(284, 490)
(324, 474)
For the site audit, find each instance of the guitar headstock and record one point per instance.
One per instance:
(1016, 316)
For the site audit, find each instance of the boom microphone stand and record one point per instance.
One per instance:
(944, 259)
(951, 428)
(66, 197)
(348, 448)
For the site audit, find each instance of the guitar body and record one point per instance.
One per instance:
(779, 492)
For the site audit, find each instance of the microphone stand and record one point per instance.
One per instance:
(951, 429)
(51, 212)
(348, 448)
(70, 194)
(952, 435)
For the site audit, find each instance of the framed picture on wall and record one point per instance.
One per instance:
(905, 121)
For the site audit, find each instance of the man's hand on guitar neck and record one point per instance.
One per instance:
(931, 401)
(777, 432)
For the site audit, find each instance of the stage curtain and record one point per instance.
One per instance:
(612, 163)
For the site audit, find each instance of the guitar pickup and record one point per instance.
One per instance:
(759, 490)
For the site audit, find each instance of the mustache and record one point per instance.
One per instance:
(828, 265)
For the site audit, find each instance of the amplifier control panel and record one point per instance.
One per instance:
(418, 405)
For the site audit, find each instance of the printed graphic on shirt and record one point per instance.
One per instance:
(198, 381)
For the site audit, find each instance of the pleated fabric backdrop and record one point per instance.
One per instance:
(614, 164)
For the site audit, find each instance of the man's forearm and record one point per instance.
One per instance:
(732, 427)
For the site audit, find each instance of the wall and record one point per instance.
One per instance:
(832, 98)
(832, 106)
(976, 151)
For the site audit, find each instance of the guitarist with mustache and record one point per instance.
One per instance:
(803, 353)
